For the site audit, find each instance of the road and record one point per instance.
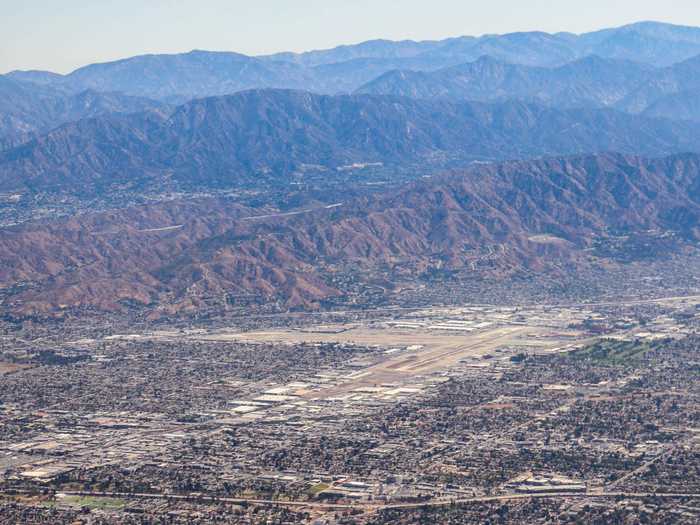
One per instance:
(644, 466)
(290, 213)
(362, 506)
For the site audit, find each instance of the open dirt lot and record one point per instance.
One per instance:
(8, 368)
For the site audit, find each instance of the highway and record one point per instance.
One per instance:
(364, 506)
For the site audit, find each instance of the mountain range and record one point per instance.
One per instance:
(178, 77)
(623, 68)
(28, 110)
(175, 257)
(170, 183)
(270, 134)
(588, 82)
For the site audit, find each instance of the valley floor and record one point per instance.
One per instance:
(571, 413)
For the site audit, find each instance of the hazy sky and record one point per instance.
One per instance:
(61, 35)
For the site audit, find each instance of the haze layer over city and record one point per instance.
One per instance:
(349, 263)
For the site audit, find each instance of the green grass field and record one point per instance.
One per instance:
(92, 502)
(319, 487)
(615, 352)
